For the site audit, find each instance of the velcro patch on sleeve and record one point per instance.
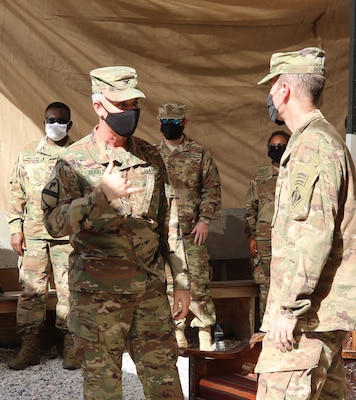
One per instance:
(302, 183)
(50, 194)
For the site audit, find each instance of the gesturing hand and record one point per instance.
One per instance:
(115, 184)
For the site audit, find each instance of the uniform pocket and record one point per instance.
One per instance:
(305, 355)
(80, 318)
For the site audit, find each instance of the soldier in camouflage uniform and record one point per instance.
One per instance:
(108, 193)
(196, 192)
(40, 255)
(259, 213)
(311, 304)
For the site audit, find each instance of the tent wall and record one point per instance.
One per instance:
(207, 54)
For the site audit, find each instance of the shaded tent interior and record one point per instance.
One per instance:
(207, 54)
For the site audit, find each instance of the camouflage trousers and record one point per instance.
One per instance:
(259, 266)
(105, 325)
(42, 259)
(312, 370)
(200, 272)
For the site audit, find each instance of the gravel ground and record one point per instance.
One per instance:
(49, 381)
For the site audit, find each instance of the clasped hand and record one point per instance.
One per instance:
(282, 333)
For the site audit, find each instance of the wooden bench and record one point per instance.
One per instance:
(214, 374)
(8, 301)
(11, 291)
(235, 303)
(241, 295)
(349, 348)
(8, 305)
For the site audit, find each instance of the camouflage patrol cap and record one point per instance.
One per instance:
(310, 60)
(171, 110)
(115, 83)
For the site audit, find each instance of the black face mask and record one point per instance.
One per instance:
(272, 111)
(171, 131)
(276, 152)
(123, 123)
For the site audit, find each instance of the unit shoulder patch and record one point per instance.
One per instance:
(50, 194)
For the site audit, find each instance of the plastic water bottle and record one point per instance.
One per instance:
(219, 338)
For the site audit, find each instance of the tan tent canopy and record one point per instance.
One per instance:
(208, 54)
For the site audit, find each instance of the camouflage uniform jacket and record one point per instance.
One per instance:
(195, 182)
(31, 172)
(260, 203)
(313, 265)
(117, 245)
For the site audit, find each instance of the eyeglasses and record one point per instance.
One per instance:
(279, 146)
(54, 120)
(166, 121)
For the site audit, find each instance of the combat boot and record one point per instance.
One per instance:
(69, 359)
(205, 342)
(181, 339)
(28, 354)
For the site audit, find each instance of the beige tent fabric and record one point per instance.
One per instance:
(207, 54)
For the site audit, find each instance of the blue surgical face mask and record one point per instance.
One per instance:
(272, 111)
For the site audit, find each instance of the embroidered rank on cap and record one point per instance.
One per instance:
(301, 187)
(50, 194)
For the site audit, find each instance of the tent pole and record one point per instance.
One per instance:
(351, 114)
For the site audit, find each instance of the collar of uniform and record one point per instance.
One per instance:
(309, 118)
(51, 149)
(125, 158)
(184, 146)
(275, 169)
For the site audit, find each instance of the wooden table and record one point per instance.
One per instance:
(242, 295)
(8, 301)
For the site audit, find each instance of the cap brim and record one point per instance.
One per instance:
(123, 95)
(267, 78)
